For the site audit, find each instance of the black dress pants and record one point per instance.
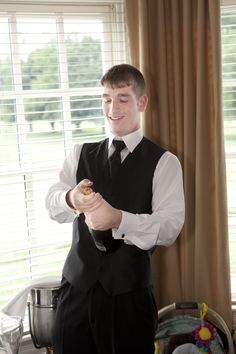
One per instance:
(96, 323)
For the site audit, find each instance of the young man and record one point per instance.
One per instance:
(122, 204)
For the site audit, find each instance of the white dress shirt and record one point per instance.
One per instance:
(143, 230)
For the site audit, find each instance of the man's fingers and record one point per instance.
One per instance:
(85, 187)
(87, 203)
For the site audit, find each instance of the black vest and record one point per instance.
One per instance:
(128, 267)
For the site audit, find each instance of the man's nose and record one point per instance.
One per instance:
(114, 107)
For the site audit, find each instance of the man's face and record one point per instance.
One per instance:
(122, 109)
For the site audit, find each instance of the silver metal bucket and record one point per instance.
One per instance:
(42, 307)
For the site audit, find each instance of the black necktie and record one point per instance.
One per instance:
(115, 159)
(104, 239)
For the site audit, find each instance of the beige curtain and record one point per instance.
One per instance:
(176, 44)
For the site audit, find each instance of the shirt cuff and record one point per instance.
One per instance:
(128, 223)
(64, 204)
(135, 230)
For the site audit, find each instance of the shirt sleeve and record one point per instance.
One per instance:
(163, 226)
(56, 204)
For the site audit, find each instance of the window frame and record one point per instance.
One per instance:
(224, 5)
(103, 10)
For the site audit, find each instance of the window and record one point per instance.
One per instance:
(51, 60)
(228, 30)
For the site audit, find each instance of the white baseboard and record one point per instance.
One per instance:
(234, 317)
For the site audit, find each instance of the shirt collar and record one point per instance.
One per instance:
(131, 140)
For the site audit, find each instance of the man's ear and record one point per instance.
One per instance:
(142, 103)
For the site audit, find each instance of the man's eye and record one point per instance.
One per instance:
(107, 100)
(124, 100)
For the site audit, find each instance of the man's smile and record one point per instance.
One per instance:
(116, 118)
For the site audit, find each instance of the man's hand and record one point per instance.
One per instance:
(104, 217)
(82, 198)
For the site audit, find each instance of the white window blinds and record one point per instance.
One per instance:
(51, 60)
(228, 30)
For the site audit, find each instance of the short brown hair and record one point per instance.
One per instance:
(124, 75)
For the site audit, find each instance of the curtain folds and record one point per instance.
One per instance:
(176, 44)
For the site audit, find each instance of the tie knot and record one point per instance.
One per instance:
(119, 145)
